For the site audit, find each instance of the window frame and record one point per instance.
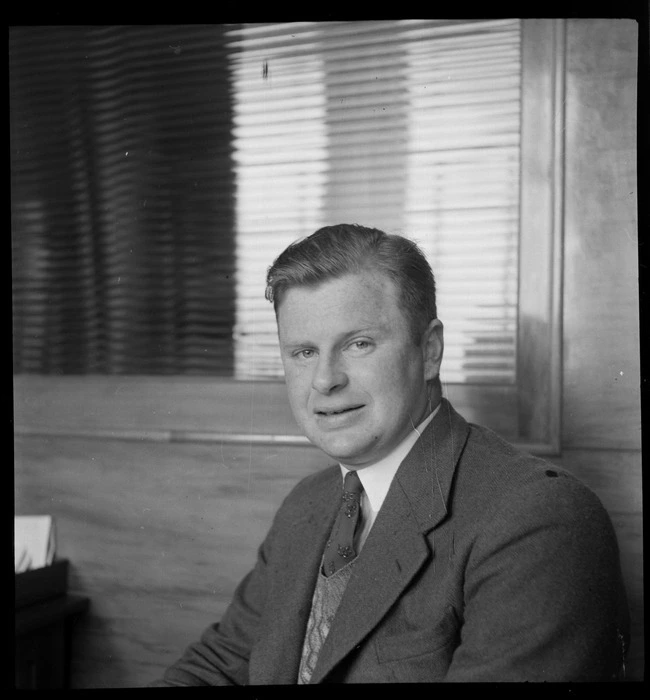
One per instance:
(529, 413)
(207, 409)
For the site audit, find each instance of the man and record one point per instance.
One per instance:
(445, 554)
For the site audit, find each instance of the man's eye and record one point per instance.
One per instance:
(305, 354)
(359, 345)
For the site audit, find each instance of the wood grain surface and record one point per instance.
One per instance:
(601, 292)
(158, 536)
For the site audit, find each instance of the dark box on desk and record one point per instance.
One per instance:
(37, 585)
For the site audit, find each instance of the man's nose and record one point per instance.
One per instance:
(329, 375)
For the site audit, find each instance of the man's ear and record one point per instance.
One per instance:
(433, 345)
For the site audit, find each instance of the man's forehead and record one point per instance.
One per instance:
(364, 278)
(338, 307)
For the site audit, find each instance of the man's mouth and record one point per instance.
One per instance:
(339, 411)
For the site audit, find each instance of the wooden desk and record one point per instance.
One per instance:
(43, 638)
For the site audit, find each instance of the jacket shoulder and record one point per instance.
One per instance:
(493, 475)
(489, 457)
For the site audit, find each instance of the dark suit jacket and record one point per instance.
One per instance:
(484, 564)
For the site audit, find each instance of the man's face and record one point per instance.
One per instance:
(355, 378)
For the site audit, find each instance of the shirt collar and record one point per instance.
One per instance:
(377, 478)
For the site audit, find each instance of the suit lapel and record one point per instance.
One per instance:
(277, 656)
(427, 473)
(396, 548)
(394, 552)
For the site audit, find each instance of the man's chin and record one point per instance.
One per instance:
(345, 451)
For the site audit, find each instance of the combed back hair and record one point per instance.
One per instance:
(335, 251)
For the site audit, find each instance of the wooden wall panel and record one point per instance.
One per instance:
(158, 536)
(157, 407)
(601, 422)
(601, 304)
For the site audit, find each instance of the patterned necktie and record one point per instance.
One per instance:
(340, 546)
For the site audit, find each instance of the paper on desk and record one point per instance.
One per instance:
(34, 542)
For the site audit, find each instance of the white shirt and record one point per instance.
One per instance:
(377, 478)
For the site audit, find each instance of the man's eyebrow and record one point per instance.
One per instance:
(376, 328)
(372, 328)
(292, 345)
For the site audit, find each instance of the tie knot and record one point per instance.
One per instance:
(352, 485)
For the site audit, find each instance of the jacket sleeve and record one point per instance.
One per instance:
(544, 597)
(221, 655)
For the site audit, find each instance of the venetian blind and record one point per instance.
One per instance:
(409, 126)
(122, 200)
(156, 171)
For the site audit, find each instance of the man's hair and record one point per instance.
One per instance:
(335, 251)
